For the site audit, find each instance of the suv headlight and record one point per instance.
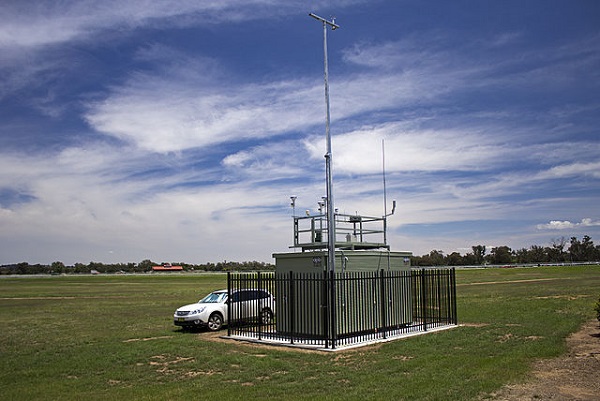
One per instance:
(197, 311)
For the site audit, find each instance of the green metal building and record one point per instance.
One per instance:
(361, 250)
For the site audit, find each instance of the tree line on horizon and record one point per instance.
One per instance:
(557, 252)
(144, 266)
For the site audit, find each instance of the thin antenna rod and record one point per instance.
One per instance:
(383, 171)
(385, 215)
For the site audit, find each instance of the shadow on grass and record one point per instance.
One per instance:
(197, 330)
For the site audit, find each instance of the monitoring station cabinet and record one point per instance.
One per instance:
(360, 247)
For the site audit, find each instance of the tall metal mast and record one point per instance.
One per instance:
(328, 155)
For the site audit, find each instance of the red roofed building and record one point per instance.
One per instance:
(167, 267)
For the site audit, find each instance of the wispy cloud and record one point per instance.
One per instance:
(80, 20)
(38, 24)
(81, 197)
(159, 111)
(166, 115)
(591, 169)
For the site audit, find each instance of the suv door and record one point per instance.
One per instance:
(241, 305)
(246, 304)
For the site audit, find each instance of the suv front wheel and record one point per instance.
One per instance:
(215, 322)
(266, 316)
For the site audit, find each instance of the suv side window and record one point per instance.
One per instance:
(249, 295)
(245, 296)
(260, 294)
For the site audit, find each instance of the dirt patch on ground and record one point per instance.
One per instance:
(573, 376)
(146, 339)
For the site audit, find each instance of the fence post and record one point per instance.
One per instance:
(260, 306)
(228, 303)
(291, 307)
(449, 306)
(453, 279)
(324, 309)
(333, 309)
(383, 303)
(438, 296)
(424, 299)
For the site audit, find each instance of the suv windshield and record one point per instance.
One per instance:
(214, 297)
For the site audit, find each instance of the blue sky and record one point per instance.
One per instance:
(178, 130)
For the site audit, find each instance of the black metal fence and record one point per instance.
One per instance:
(338, 309)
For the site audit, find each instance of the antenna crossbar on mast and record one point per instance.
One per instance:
(331, 23)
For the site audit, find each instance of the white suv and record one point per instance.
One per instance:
(211, 311)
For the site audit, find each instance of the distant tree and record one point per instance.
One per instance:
(537, 254)
(80, 268)
(588, 249)
(97, 266)
(479, 253)
(57, 267)
(556, 252)
(582, 251)
(416, 260)
(145, 265)
(575, 250)
(454, 259)
(522, 255)
(436, 258)
(500, 255)
(469, 260)
(22, 268)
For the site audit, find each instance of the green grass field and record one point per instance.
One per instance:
(112, 337)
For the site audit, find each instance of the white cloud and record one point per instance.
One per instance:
(409, 149)
(565, 225)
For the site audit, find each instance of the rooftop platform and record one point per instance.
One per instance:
(352, 232)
